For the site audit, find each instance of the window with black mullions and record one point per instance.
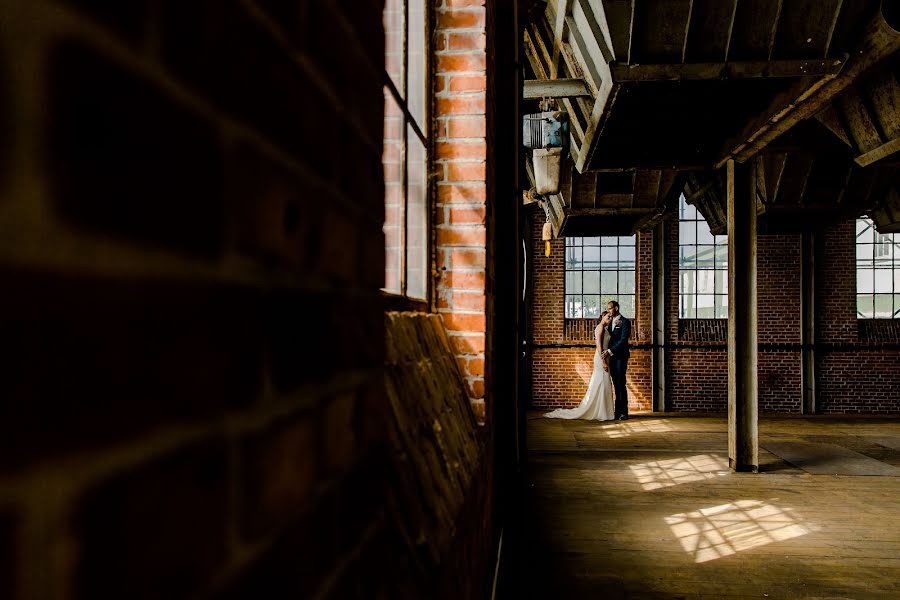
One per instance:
(877, 272)
(599, 269)
(405, 151)
(702, 267)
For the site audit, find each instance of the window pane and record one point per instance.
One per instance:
(608, 283)
(865, 233)
(573, 282)
(721, 307)
(392, 161)
(703, 234)
(609, 257)
(573, 258)
(591, 282)
(591, 307)
(416, 43)
(573, 307)
(864, 254)
(576, 241)
(865, 281)
(722, 256)
(626, 305)
(896, 314)
(688, 211)
(591, 257)
(884, 304)
(626, 257)
(416, 218)
(628, 240)
(864, 308)
(721, 282)
(688, 259)
(591, 241)
(569, 241)
(626, 282)
(393, 40)
(706, 257)
(706, 306)
(688, 282)
(609, 240)
(688, 310)
(897, 281)
(883, 281)
(706, 282)
(687, 232)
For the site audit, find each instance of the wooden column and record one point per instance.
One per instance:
(659, 317)
(743, 438)
(808, 322)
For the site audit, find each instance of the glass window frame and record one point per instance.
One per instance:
(691, 248)
(576, 245)
(413, 132)
(876, 253)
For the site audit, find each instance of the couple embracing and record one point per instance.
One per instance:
(610, 364)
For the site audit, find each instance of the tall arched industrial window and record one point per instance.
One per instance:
(404, 155)
(877, 272)
(599, 269)
(702, 267)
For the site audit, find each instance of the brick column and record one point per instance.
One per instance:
(460, 168)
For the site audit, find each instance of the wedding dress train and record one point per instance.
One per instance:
(597, 404)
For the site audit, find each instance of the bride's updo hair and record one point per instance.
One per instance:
(600, 318)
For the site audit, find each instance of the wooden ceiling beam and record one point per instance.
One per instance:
(555, 88)
(728, 70)
(880, 41)
(562, 11)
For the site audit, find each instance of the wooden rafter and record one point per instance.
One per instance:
(735, 70)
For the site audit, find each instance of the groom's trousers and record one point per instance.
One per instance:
(617, 369)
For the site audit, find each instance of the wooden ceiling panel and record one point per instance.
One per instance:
(805, 28)
(619, 17)
(755, 22)
(660, 27)
(710, 30)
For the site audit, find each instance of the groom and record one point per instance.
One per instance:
(617, 355)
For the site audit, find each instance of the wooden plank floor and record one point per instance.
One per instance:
(648, 509)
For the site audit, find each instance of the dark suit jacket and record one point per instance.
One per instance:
(618, 339)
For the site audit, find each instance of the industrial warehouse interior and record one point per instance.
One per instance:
(290, 287)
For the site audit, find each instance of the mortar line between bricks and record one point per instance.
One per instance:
(85, 31)
(331, 579)
(56, 473)
(301, 59)
(175, 268)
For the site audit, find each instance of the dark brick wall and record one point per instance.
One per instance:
(192, 374)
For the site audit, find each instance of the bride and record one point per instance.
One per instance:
(597, 404)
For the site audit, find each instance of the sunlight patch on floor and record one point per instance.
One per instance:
(719, 531)
(619, 429)
(667, 473)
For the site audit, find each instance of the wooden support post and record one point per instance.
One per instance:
(659, 317)
(743, 433)
(808, 322)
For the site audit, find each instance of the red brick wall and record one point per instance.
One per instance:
(459, 130)
(852, 376)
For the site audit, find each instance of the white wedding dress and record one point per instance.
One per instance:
(597, 404)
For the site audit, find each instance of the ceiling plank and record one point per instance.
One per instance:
(555, 88)
(734, 70)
